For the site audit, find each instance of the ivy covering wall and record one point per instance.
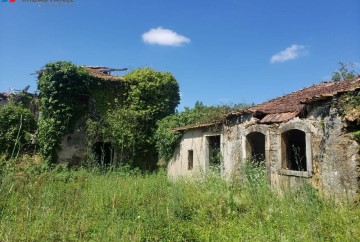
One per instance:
(123, 111)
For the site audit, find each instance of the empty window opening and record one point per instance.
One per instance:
(214, 152)
(294, 150)
(104, 153)
(190, 159)
(256, 147)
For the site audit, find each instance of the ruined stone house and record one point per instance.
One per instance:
(305, 136)
(75, 146)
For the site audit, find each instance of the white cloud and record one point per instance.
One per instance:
(290, 53)
(161, 36)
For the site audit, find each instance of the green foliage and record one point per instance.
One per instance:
(345, 72)
(123, 125)
(23, 99)
(69, 205)
(59, 83)
(108, 95)
(356, 135)
(152, 96)
(125, 111)
(17, 124)
(167, 139)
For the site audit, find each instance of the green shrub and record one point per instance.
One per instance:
(17, 125)
(121, 205)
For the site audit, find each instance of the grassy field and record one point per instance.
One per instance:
(82, 205)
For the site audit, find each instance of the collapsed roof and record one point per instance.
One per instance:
(104, 72)
(284, 108)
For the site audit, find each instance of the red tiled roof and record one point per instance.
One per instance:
(278, 117)
(295, 102)
(284, 108)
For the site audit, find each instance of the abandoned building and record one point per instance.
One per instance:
(305, 136)
(74, 146)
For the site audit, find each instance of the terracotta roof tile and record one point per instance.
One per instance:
(278, 117)
(284, 108)
(295, 102)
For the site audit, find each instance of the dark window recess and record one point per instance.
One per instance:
(214, 151)
(82, 100)
(190, 159)
(256, 147)
(294, 150)
(104, 153)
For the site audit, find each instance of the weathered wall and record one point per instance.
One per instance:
(73, 146)
(195, 140)
(332, 155)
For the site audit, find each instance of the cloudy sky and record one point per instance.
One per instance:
(226, 51)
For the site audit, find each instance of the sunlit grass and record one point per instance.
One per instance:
(62, 205)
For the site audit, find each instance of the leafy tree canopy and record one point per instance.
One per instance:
(345, 72)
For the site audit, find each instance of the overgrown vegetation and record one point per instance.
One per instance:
(345, 72)
(80, 205)
(167, 139)
(59, 84)
(350, 104)
(150, 96)
(125, 110)
(17, 127)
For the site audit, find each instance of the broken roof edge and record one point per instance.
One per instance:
(99, 72)
(203, 125)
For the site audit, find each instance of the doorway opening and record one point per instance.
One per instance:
(104, 153)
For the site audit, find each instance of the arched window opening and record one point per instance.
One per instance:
(294, 150)
(256, 147)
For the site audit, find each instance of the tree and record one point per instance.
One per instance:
(345, 72)
(153, 95)
(17, 125)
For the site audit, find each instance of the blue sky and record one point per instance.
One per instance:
(228, 51)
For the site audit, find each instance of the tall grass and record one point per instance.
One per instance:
(81, 205)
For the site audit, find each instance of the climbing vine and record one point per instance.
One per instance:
(120, 110)
(59, 83)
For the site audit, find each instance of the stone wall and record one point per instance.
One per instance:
(332, 156)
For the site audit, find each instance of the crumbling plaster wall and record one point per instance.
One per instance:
(73, 146)
(193, 139)
(333, 156)
(338, 159)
